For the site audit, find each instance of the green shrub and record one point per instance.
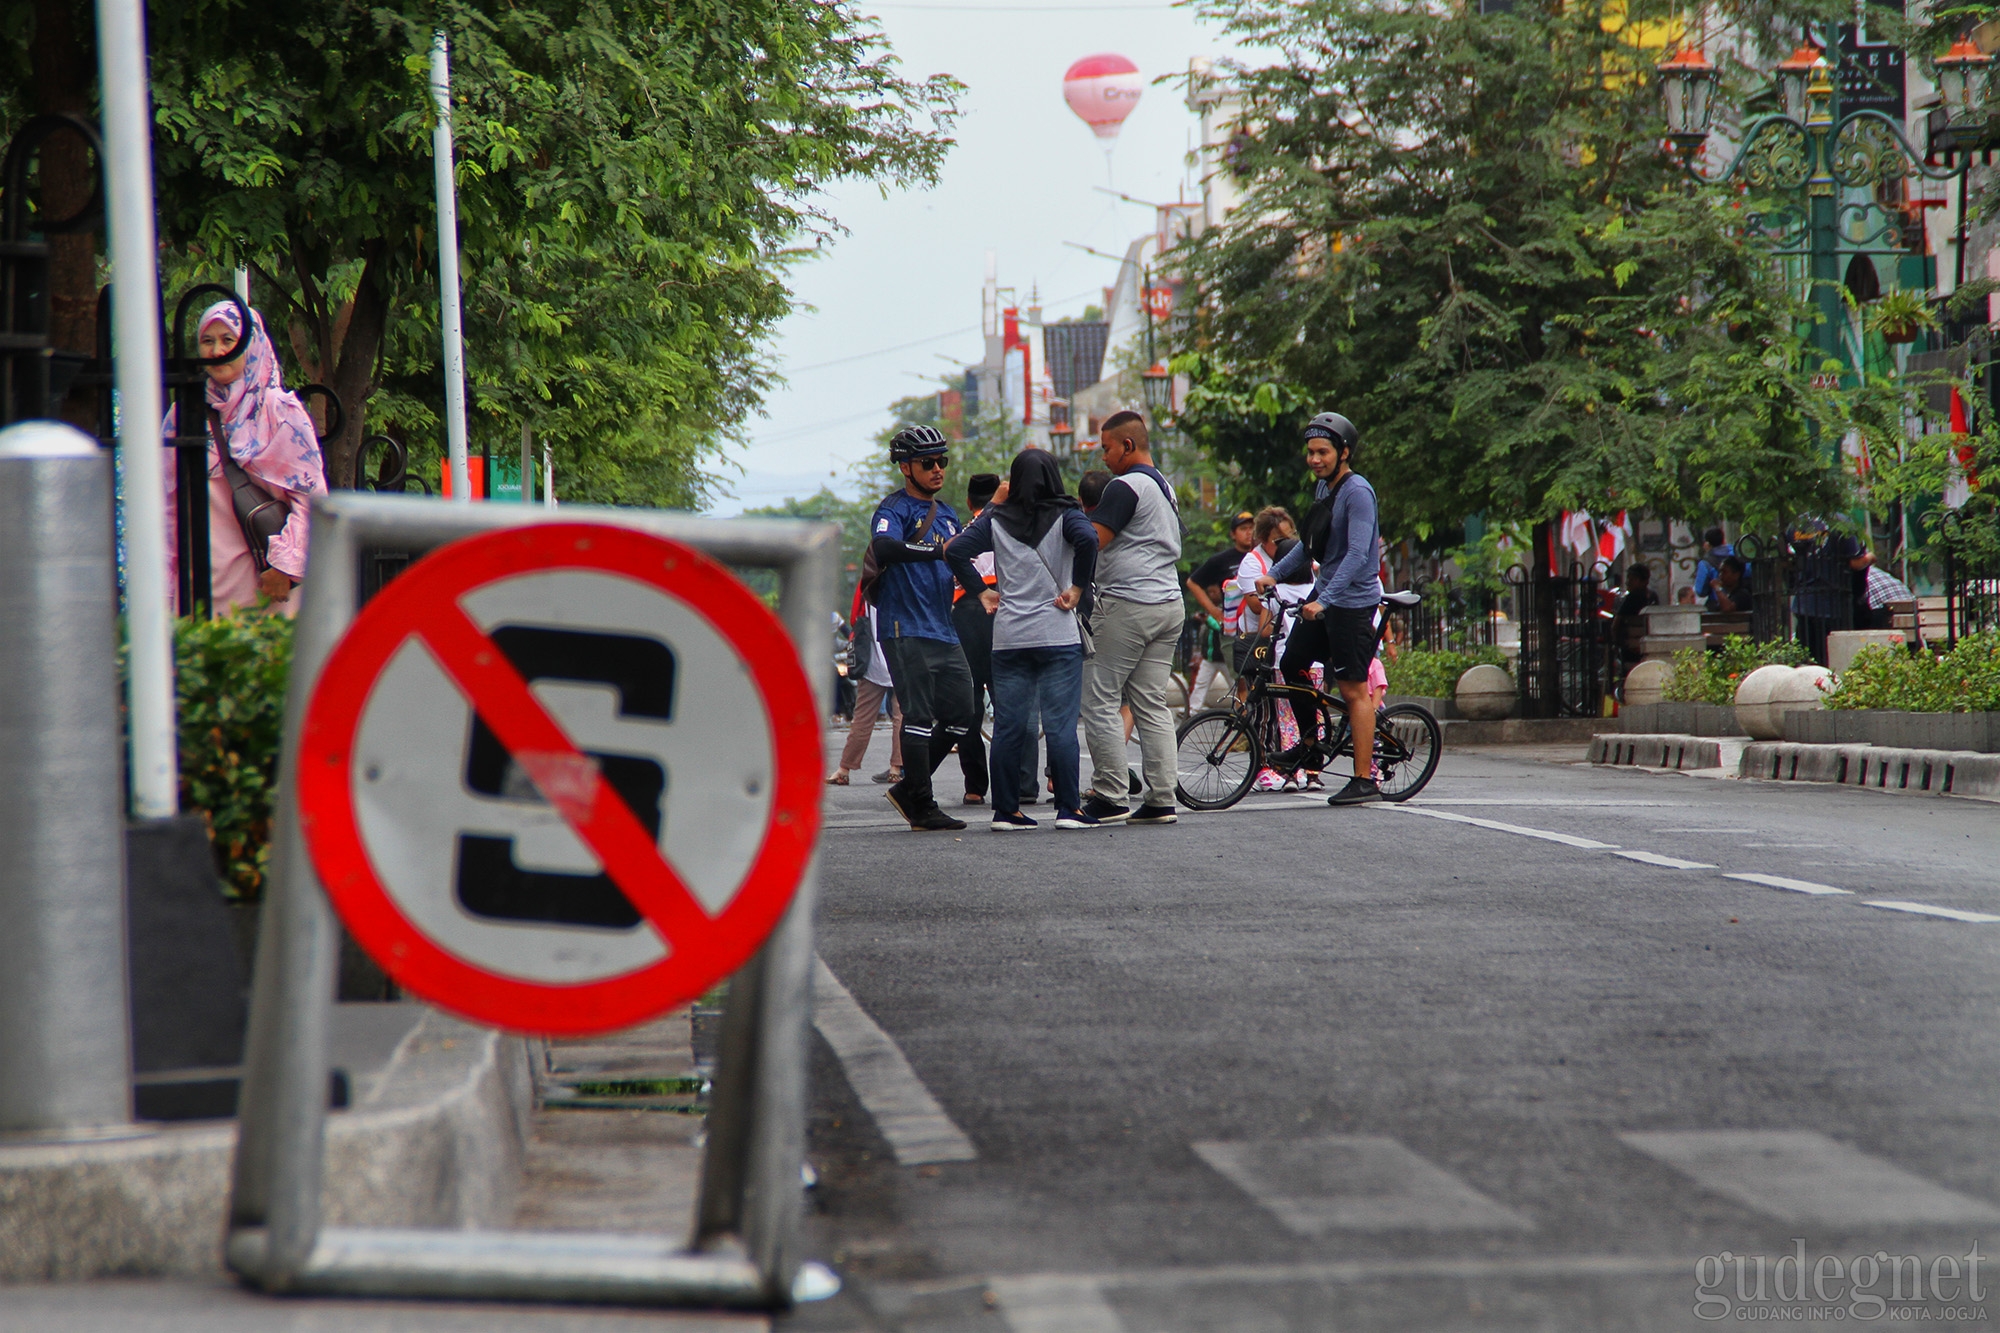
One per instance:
(1964, 680)
(1430, 675)
(1710, 676)
(230, 685)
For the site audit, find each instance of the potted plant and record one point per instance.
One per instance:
(1898, 315)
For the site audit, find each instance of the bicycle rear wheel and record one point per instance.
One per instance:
(1408, 743)
(1218, 758)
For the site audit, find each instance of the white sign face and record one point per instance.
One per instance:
(464, 843)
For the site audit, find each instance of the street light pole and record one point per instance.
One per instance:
(448, 301)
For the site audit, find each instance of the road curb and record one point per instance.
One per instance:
(1883, 767)
(436, 1139)
(1661, 750)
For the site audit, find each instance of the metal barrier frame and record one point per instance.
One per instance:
(744, 1251)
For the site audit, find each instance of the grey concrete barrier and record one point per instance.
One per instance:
(1678, 752)
(1978, 732)
(436, 1137)
(1659, 719)
(1885, 768)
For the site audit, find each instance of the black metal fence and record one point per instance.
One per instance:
(1555, 623)
(1452, 617)
(1971, 585)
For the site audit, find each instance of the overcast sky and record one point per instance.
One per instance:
(1018, 182)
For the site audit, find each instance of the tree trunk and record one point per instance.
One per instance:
(64, 78)
(366, 321)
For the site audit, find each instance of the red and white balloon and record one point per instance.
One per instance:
(1102, 90)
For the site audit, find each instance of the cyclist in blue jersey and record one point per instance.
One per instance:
(913, 620)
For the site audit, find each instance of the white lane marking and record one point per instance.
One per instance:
(1670, 862)
(910, 1118)
(1795, 885)
(1801, 1176)
(1554, 802)
(1334, 1271)
(1699, 829)
(1054, 1303)
(1566, 839)
(1925, 909)
(1355, 1182)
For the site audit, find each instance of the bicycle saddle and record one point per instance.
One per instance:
(1402, 599)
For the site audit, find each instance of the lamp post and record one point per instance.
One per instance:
(1158, 385)
(1811, 152)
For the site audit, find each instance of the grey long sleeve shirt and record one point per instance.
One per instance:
(1349, 572)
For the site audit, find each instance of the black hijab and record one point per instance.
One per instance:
(1035, 499)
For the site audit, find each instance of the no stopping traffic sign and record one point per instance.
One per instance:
(559, 778)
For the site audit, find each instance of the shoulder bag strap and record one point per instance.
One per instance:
(259, 514)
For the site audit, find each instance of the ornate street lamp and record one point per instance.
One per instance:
(1687, 86)
(1795, 72)
(1813, 172)
(1061, 435)
(1158, 383)
(1962, 79)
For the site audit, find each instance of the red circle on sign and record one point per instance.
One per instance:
(424, 604)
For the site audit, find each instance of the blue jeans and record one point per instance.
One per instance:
(1027, 682)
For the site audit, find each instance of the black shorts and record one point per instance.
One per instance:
(1343, 638)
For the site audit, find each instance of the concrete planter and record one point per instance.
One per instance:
(1672, 719)
(1979, 732)
(1486, 693)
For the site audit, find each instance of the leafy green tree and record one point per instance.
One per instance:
(634, 180)
(1460, 230)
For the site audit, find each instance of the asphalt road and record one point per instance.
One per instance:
(1286, 1067)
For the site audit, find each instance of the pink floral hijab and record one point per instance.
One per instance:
(270, 435)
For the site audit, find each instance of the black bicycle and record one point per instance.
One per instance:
(1222, 750)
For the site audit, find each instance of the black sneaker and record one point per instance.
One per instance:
(1358, 791)
(895, 797)
(1069, 819)
(1154, 814)
(1105, 812)
(1016, 822)
(935, 820)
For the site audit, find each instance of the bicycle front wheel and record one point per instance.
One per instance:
(1408, 743)
(1218, 759)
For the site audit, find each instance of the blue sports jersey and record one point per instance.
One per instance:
(914, 601)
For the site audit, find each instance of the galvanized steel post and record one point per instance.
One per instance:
(65, 1029)
(448, 300)
(135, 313)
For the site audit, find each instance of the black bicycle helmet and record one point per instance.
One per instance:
(1335, 427)
(917, 442)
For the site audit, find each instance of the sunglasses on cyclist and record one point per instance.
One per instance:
(938, 461)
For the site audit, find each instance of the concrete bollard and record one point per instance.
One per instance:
(65, 1043)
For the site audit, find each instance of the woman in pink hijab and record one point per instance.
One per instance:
(271, 438)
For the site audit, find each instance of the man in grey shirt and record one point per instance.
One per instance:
(1135, 629)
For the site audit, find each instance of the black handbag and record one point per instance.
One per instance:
(258, 513)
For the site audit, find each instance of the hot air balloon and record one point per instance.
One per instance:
(1103, 90)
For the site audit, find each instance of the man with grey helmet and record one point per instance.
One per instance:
(913, 621)
(1337, 626)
